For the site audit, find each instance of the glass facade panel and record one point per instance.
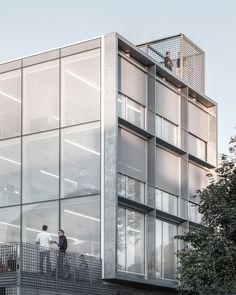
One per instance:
(132, 81)
(34, 216)
(130, 248)
(197, 147)
(194, 214)
(158, 248)
(41, 97)
(131, 188)
(121, 183)
(41, 167)
(121, 239)
(81, 88)
(131, 111)
(10, 101)
(198, 122)
(166, 202)
(167, 171)
(10, 224)
(135, 113)
(132, 155)
(167, 130)
(80, 160)
(81, 222)
(166, 247)
(197, 179)
(10, 172)
(167, 103)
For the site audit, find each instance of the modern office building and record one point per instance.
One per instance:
(101, 139)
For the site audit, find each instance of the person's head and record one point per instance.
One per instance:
(167, 53)
(44, 227)
(61, 232)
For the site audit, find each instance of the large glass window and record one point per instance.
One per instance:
(130, 248)
(197, 147)
(10, 224)
(131, 188)
(41, 97)
(132, 81)
(166, 247)
(166, 202)
(132, 155)
(198, 179)
(131, 111)
(10, 171)
(41, 167)
(81, 160)
(34, 216)
(167, 103)
(166, 130)
(194, 214)
(198, 122)
(167, 171)
(10, 101)
(81, 87)
(81, 222)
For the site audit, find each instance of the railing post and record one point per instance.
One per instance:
(18, 267)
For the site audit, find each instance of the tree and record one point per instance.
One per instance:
(207, 261)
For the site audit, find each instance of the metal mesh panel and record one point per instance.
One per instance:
(188, 60)
(27, 269)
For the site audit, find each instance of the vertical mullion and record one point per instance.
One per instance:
(60, 157)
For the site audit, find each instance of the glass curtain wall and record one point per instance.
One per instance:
(50, 164)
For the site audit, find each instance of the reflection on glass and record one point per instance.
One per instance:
(81, 222)
(34, 216)
(10, 224)
(10, 170)
(130, 248)
(197, 147)
(166, 247)
(81, 160)
(121, 185)
(81, 87)
(166, 130)
(132, 155)
(166, 202)
(131, 111)
(41, 167)
(41, 97)
(10, 102)
(194, 214)
(130, 188)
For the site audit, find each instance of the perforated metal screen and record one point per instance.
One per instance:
(188, 60)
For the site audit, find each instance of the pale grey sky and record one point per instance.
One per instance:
(30, 26)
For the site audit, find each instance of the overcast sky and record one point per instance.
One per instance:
(30, 26)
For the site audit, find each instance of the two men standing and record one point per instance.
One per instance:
(44, 239)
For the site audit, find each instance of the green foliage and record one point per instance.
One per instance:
(208, 258)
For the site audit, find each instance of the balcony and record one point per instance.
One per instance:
(187, 59)
(20, 272)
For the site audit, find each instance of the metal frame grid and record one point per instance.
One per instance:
(187, 58)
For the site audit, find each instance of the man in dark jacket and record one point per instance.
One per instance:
(62, 245)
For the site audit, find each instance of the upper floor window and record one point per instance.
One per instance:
(166, 246)
(197, 147)
(132, 81)
(131, 188)
(166, 130)
(131, 111)
(194, 214)
(130, 241)
(166, 202)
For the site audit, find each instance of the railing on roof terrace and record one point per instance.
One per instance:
(31, 268)
(187, 58)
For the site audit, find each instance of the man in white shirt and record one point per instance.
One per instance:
(44, 239)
